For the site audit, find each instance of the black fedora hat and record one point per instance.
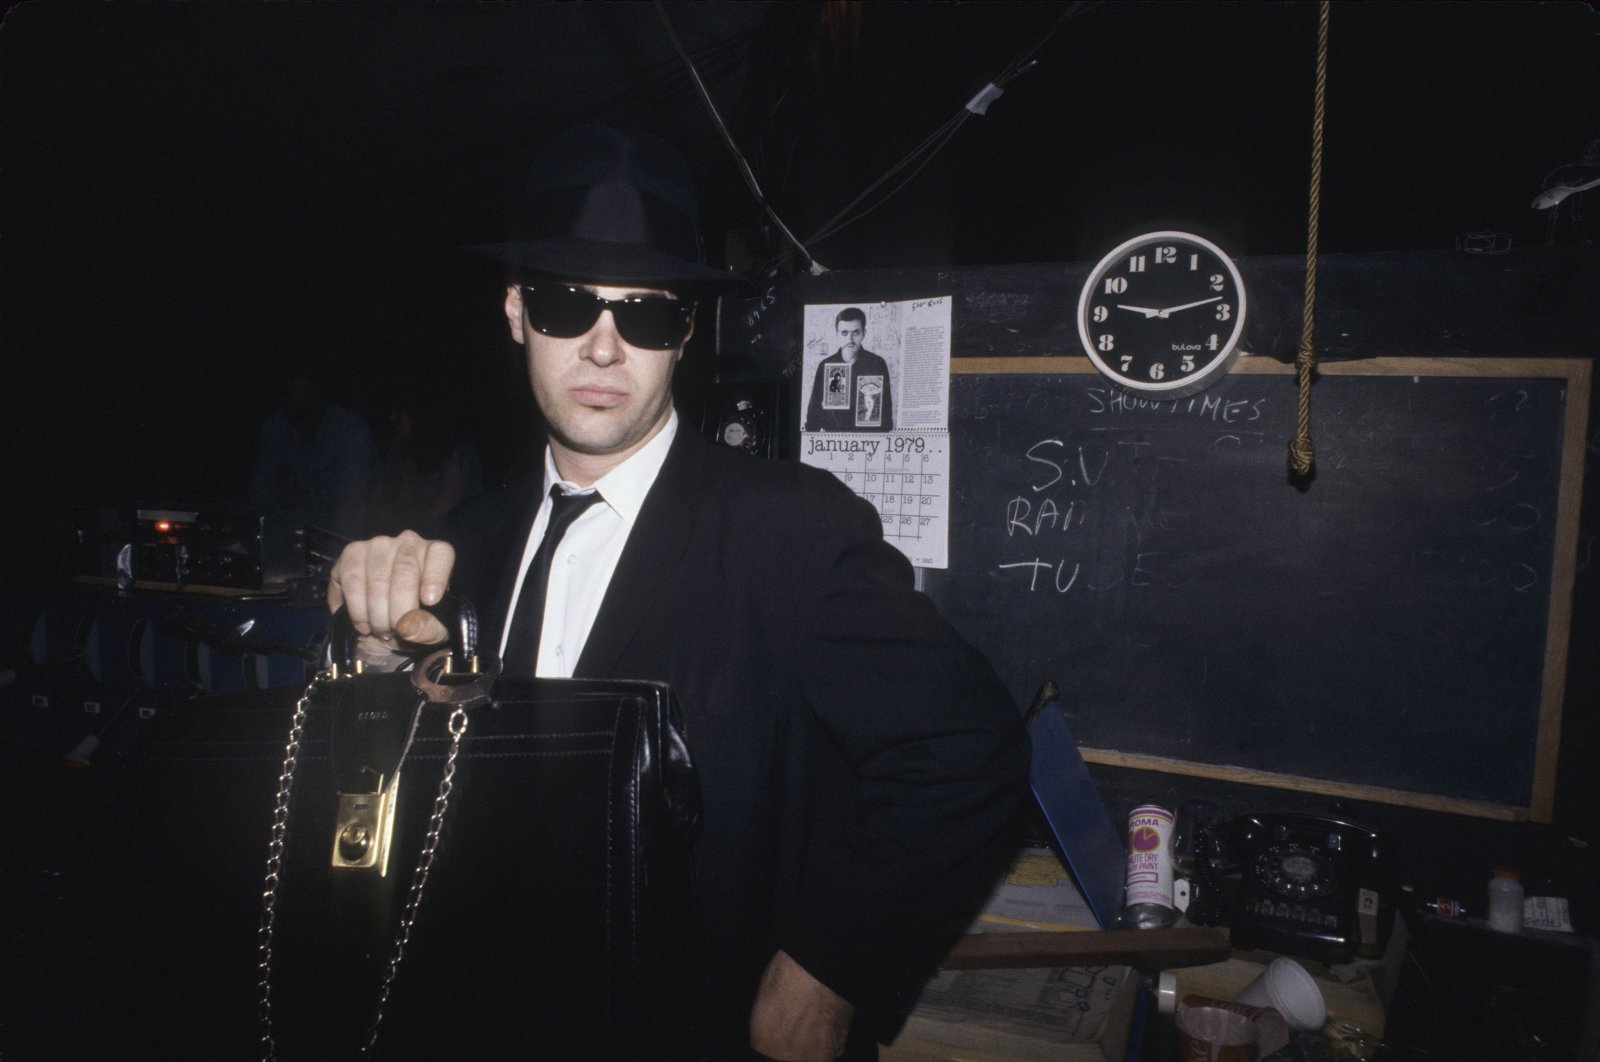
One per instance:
(601, 207)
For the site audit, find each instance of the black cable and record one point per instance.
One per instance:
(727, 138)
(940, 137)
(943, 136)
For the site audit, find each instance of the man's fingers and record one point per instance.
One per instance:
(377, 577)
(347, 584)
(382, 581)
(335, 591)
(420, 627)
(403, 579)
(437, 562)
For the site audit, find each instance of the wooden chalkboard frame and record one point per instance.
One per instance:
(1576, 374)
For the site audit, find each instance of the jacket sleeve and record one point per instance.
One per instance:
(813, 419)
(888, 399)
(940, 758)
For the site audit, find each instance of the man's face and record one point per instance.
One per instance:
(602, 398)
(850, 336)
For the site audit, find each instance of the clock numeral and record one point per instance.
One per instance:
(1100, 313)
(1188, 363)
(1127, 362)
(1136, 263)
(1106, 342)
(1194, 262)
(1116, 285)
(1216, 281)
(1213, 343)
(1166, 255)
(1224, 311)
(1157, 371)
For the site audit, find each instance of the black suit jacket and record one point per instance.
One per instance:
(858, 761)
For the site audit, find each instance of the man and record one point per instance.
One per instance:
(851, 389)
(314, 458)
(856, 759)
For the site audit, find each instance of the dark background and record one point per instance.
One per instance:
(197, 195)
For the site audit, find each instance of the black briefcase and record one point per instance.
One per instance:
(523, 890)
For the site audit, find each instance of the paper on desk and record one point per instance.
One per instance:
(1036, 893)
(1032, 1013)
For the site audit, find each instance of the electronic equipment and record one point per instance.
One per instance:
(191, 546)
(87, 659)
(745, 416)
(1309, 886)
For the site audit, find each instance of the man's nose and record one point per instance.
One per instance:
(602, 344)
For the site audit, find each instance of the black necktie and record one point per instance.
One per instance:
(522, 646)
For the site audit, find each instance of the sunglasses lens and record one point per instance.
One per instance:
(652, 322)
(561, 312)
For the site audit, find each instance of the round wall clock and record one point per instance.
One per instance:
(1162, 313)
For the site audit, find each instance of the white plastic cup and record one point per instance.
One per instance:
(1211, 1034)
(1286, 987)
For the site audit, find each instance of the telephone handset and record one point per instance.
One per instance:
(1314, 887)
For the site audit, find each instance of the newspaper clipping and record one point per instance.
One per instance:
(875, 405)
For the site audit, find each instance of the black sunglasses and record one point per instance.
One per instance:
(656, 322)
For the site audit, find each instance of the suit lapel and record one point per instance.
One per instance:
(655, 547)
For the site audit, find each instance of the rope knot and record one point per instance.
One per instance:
(1302, 455)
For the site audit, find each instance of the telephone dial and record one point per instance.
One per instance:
(745, 416)
(1308, 886)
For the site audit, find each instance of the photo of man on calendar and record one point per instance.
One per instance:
(851, 389)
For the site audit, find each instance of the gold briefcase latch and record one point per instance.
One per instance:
(364, 827)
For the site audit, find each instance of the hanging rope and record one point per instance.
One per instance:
(1302, 454)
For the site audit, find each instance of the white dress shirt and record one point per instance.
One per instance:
(587, 557)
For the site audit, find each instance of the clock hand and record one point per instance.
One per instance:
(1190, 305)
(1146, 310)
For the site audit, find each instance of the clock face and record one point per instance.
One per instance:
(1162, 314)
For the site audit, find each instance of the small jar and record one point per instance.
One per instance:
(1505, 901)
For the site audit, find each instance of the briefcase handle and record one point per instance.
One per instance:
(460, 619)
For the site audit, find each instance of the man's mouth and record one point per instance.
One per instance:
(600, 397)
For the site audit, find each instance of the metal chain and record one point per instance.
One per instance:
(419, 879)
(275, 848)
(269, 895)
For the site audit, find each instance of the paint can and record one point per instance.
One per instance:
(1148, 903)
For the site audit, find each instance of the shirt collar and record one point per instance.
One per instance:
(624, 487)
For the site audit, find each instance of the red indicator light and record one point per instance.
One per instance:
(163, 525)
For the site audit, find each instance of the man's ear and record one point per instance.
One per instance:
(514, 312)
(685, 344)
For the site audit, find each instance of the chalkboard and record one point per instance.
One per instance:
(1395, 630)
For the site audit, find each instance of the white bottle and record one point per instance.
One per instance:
(1505, 901)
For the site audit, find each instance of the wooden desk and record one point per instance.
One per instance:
(1143, 949)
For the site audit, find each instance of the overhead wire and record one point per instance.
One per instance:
(727, 138)
(936, 141)
(917, 159)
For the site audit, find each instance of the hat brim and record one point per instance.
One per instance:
(602, 262)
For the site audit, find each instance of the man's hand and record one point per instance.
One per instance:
(796, 1017)
(383, 584)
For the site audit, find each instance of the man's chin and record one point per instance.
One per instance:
(601, 436)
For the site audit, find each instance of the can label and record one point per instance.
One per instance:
(1149, 856)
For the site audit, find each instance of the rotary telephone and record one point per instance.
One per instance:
(1309, 886)
(746, 416)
